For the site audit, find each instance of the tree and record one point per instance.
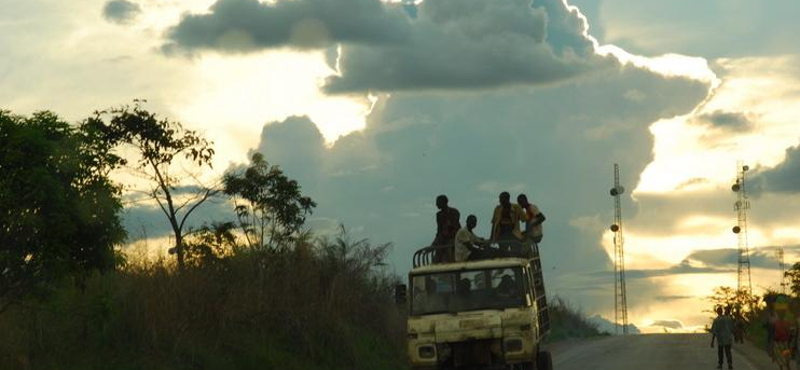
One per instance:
(59, 211)
(793, 274)
(210, 244)
(738, 299)
(274, 210)
(159, 145)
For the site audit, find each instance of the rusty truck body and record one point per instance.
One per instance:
(484, 314)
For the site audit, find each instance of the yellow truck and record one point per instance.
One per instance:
(484, 314)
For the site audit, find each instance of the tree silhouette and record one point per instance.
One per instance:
(793, 274)
(59, 211)
(159, 144)
(724, 296)
(275, 209)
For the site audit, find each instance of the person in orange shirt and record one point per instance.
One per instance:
(505, 224)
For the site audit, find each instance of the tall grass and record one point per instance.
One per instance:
(321, 305)
(568, 321)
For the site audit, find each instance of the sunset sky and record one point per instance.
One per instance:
(377, 107)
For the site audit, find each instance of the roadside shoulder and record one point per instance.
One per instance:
(753, 356)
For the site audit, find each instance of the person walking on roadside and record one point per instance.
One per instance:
(769, 326)
(448, 222)
(782, 345)
(739, 325)
(533, 219)
(722, 331)
(505, 224)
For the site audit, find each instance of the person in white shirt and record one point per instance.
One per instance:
(466, 242)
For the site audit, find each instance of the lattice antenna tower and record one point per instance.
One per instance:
(783, 269)
(620, 294)
(743, 282)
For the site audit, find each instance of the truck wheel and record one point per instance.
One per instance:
(544, 361)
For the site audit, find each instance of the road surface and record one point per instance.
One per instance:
(653, 352)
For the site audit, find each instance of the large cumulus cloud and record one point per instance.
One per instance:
(249, 25)
(475, 43)
(449, 44)
(558, 145)
(783, 178)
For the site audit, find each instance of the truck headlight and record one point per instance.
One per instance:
(514, 345)
(427, 352)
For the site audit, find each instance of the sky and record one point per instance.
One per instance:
(378, 107)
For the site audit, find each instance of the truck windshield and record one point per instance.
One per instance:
(467, 290)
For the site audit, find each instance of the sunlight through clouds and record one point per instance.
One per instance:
(236, 96)
(761, 87)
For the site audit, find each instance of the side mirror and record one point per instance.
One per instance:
(400, 295)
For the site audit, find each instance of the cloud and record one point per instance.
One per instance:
(710, 29)
(144, 220)
(535, 140)
(725, 120)
(679, 269)
(763, 257)
(670, 298)
(450, 44)
(466, 44)
(782, 178)
(607, 326)
(235, 26)
(121, 11)
(671, 324)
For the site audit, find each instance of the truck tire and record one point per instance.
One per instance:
(544, 361)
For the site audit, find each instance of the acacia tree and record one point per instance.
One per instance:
(59, 211)
(159, 143)
(273, 209)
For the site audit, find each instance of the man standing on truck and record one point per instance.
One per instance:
(447, 225)
(533, 219)
(722, 331)
(468, 245)
(505, 224)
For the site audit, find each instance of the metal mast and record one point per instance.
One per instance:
(783, 270)
(620, 295)
(744, 283)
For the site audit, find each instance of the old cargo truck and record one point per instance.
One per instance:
(484, 314)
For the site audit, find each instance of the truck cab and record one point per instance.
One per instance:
(485, 314)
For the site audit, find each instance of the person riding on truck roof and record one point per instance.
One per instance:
(447, 225)
(505, 223)
(469, 246)
(533, 219)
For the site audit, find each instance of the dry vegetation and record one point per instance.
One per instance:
(321, 305)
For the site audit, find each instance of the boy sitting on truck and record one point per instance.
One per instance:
(468, 246)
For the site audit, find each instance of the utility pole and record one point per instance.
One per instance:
(620, 295)
(783, 270)
(743, 282)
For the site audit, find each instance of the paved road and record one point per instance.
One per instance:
(653, 352)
